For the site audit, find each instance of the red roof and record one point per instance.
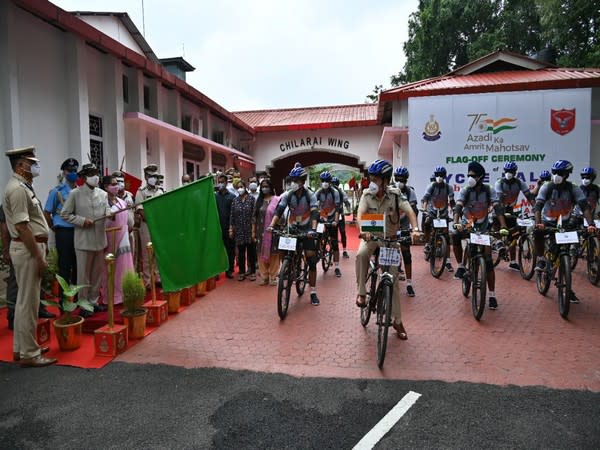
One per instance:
(360, 115)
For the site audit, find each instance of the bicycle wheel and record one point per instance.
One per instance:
(479, 274)
(543, 277)
(466, 280)
(301, 275)
(563, 284)
(384, 319)
(498, 251)
(593, 260)
(327, 255)
(526, 257)
(284, 287)
(574, 250)
(437, 257)
(365, 312)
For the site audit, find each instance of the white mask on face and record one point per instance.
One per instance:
(121, 185)
(325, 185)
(508, 176)
(586, 181)
(265, 190)
(471, 182)
(241, 191)
(439, 179)
(253, 186)
(557, 179)
(152, 181)
(35, 170)
(220, 185)
(92, 181)
(373, 188)
(294, 186)
(400, 184)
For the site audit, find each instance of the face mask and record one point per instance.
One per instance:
(400, 184)
(294, 186)
(266, 190)
(152, 181)
(113, 189)
(471, 182)
(508, 176)
(373, 188)
(253, 186)
(439, 179)
(557, 179)
(71, 177)
(586, 181)
(92, 181)
(35, 170)
(241, 191)
(325, 185)
(121, 185)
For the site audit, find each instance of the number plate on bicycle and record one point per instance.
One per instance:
(569, 237)
(287, 243)
(440, 223)
(389, 256)
(320, 228)
(480, 239)
(525, 222)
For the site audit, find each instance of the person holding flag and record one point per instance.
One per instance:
(379, 213)
(514, 197)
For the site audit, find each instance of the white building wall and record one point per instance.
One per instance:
(113, 27)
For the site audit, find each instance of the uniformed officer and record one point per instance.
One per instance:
(29, 237)
(87, 208)
(151, 189)
(64, 232)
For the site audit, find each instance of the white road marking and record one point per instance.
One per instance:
(388, 421)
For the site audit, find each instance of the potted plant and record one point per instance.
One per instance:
(68, 327)
(134, 314)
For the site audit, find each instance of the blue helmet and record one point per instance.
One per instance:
(298, 172)
(401, 172)
(545, 175)
(326, 176)
(335, 181)
(510, 166)
(440, 171)
(381, 168)
(562, 165)
(588, 171)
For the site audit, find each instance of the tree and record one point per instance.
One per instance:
(373, 97)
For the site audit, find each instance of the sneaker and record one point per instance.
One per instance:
(229, 274)
(273, 282)
(514, 266)
(401, 277)
(427, 251)
(314, 300)
(541, 266)
(460, 273)
(449, 267)
(573, 298)
(410, 291)
(493, 303)
(337, 272)
(345, 255)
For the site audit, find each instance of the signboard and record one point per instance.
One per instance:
(532, 128)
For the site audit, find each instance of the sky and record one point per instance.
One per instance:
(265, 54)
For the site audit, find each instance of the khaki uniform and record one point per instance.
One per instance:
(21, 205)
(143, 194)
(85, 203)
(370, 204)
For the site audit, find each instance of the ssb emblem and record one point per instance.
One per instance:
(432, 130)
(562, 121)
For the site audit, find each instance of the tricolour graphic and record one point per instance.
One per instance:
(496, 126)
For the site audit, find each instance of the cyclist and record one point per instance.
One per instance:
(342, 222)
(544, 178)
(401, 177)
(591, 192)
(329, 201)
(507, 189)
(303, 214)
(472, 205)
(438, 196)
(379, 198)
(556, 199)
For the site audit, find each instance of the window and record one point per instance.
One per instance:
(96, 144)
(186, 123)
(95, 126)
(125, 89)
(146, 97)
(218, 137)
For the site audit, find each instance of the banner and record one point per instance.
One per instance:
(532, 128)
(132, 184)
(186, 235)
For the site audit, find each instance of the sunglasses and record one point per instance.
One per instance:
(401, 180)
(562, 173)
(473, 175)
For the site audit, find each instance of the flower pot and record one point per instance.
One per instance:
(173, 299)
(211, 283)
(68, 332)
(201, 289)
(136, 322)
(188, 295)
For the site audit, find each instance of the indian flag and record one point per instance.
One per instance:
(372, 223)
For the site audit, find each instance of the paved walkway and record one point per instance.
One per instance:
(524, 342)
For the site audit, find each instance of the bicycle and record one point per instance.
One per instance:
(293, 270)
(588, 247)
(325, 253)
(379, 296)
(521, 238)
(558, 260)
(476, 269)
(439, 243)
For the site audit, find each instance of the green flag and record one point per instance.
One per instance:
(186, 235)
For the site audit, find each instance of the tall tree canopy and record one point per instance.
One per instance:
(446, 34)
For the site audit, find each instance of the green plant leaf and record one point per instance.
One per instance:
(84, 304)
(63, 283)
(69, 307)
(51, 303)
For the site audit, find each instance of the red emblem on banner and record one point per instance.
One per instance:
(562, 121)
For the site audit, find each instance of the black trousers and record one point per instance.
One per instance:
(230, 249)
(65, 245)
(248, 250)
(342, 228)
